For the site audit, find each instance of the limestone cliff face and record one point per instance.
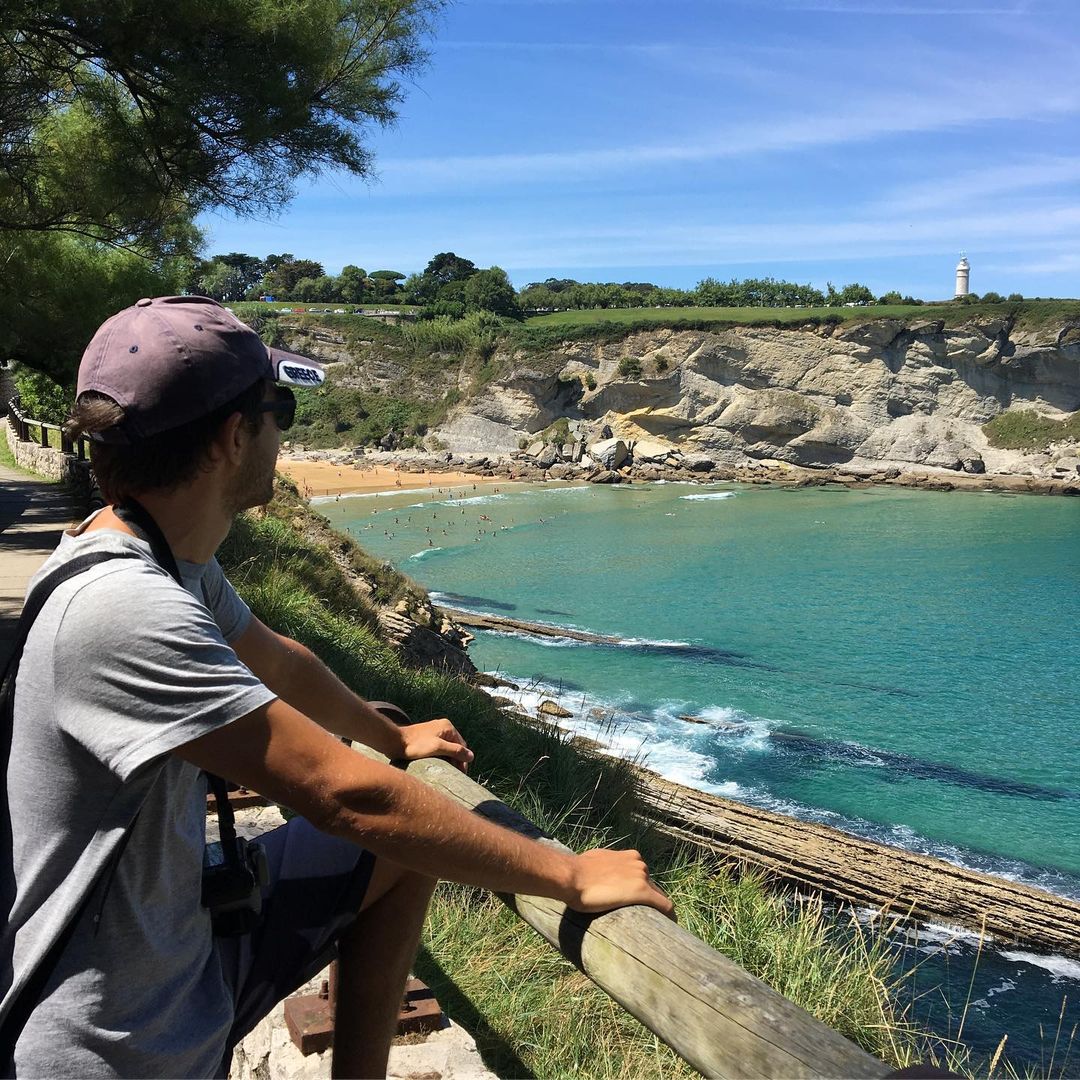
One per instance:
(879, 392)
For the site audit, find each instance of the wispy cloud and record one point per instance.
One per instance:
(1042, 239)
(1064, 263)
(958, 189)
(873, 118)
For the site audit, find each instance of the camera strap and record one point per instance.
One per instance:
(133, 514)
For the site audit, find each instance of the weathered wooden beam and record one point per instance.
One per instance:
(715, 1015)
(837, 864)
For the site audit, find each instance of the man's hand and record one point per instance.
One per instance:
(435, 738)
(603, 879)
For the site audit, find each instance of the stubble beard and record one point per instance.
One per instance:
(253, 484)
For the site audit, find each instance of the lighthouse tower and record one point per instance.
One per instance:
(963, 271)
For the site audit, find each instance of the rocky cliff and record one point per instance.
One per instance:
(879, 393)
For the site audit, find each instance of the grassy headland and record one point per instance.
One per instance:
(532, 1013)
(1026, 314)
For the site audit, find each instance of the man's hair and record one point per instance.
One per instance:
(160, 462)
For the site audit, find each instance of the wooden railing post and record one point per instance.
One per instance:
(18, 422)
(711, 1012)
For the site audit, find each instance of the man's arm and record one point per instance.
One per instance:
(286, 756)
(299, 677)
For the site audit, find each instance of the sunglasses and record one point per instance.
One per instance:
(283, 407)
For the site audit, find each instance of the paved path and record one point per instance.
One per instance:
(33, 513)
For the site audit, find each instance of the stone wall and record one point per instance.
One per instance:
(53, 464)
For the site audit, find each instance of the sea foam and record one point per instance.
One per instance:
(1059, 967)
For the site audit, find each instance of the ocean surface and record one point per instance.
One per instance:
(899, 664)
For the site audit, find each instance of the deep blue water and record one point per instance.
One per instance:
(899, 664)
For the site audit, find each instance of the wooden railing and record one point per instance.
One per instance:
(712, 1013)
(48, 435)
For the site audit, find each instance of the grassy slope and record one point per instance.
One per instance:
(532, 1013)
(1027, 430)
(1033, 314)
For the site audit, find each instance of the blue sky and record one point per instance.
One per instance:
(814, 140)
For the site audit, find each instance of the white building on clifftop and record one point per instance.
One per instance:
(963, 272)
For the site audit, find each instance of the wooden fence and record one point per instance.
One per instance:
(49, 436)
(716, 1016)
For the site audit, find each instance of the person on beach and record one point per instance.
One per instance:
(144, 678)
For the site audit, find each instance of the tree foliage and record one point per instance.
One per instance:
(565, 293)
(117, 115)
(41, 398)
(490, 290)
(56, 290)
(121, 120)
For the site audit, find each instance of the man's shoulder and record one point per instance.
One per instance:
(107, 545)
(123, 583)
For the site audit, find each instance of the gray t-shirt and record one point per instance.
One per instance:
(120, 668)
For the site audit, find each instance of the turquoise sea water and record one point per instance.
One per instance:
(899, 664)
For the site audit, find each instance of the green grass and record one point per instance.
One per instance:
(533, 1015)
(613, 324)
(431, 355)
(532, 1012)
(334, 416)
(1027, 430)
(6, 456)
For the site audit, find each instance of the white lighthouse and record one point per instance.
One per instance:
(963, 272)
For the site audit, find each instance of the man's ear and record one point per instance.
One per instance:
(228, 446)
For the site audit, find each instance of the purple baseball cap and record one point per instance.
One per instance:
(169, 360)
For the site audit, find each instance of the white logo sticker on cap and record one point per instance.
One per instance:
(289, 371)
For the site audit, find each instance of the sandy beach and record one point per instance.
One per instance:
(330, 478)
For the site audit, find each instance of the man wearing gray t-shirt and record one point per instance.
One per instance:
(145, 669)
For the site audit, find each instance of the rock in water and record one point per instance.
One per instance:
(547, 707)
(606, 476)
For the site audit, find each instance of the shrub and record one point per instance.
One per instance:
(557, 433)
(661, 363)
(450, 309)
(1016, 298)
(630, 367)
(590, 381)
(40, 398)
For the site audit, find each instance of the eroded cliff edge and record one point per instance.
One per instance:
(881, 393)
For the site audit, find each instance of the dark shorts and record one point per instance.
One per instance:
(317, 883)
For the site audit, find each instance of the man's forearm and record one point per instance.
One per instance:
(309, 686)
(426, 832)
(285, 755)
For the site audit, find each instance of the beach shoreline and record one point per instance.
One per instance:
(314, 478)
(340, 472)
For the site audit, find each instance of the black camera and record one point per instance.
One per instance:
(232, 887)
